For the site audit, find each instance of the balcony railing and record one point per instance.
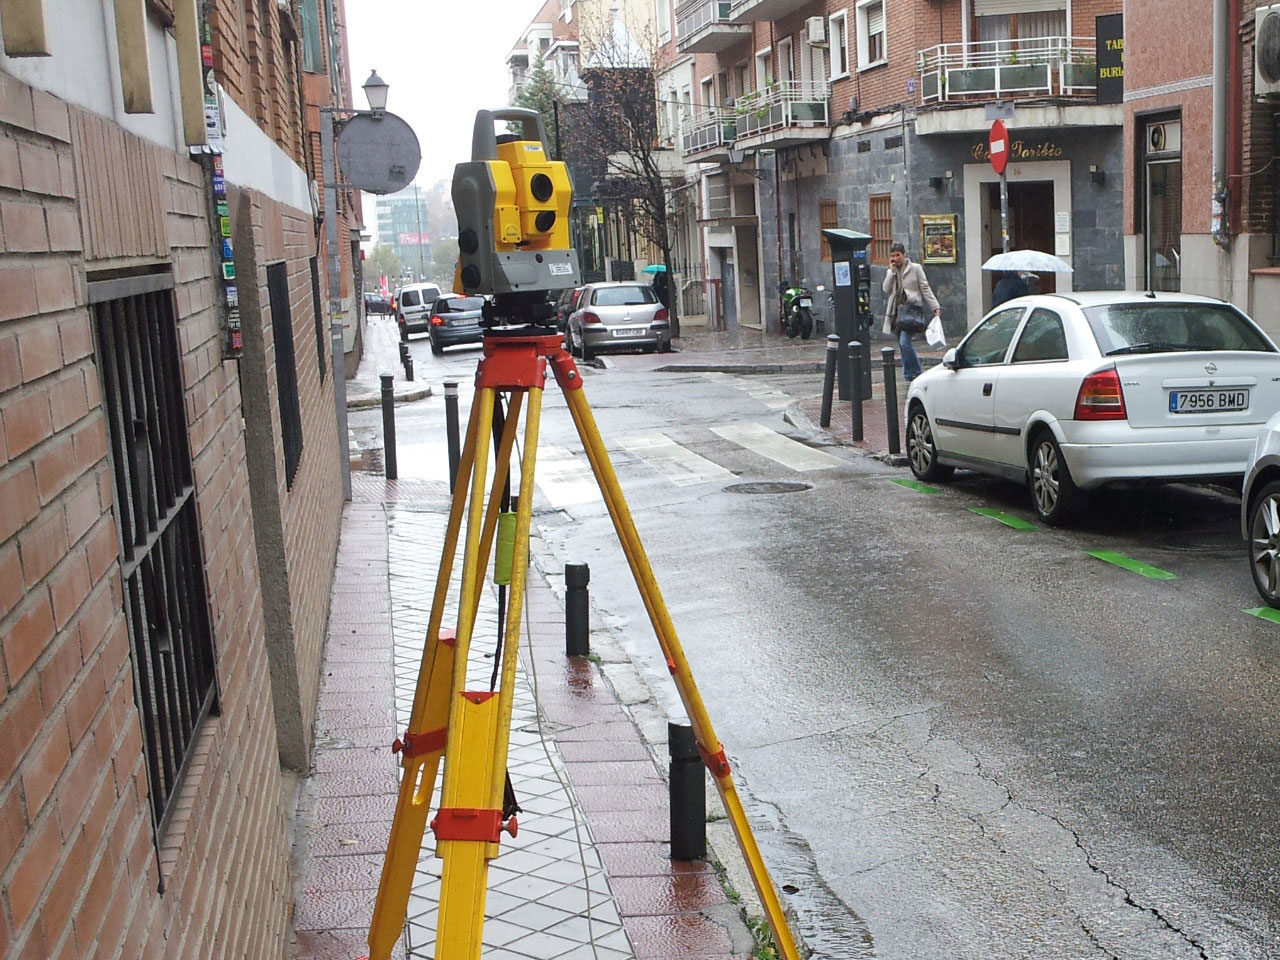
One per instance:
(747, 11)
(705, 26)
(793, 103)
(1036, 67)
(708, 130)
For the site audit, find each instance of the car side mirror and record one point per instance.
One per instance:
(949, 359)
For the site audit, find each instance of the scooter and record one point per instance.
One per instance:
(797, 312)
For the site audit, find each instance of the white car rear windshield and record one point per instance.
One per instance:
(623, 296)
(1171, 327)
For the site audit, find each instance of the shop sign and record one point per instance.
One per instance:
(1021, 150)
(1109, 31)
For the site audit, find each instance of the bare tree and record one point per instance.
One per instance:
(617, 133)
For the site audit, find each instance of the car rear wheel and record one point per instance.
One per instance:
(1264, 542)
(922, 454)
(1054, 494)
(436, 349)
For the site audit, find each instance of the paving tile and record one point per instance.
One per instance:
(621, 773)
(678, 893)
(684, 935)
(543, 946)
(645, 860)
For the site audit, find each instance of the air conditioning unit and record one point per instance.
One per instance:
(1266, 51)
(815, 31)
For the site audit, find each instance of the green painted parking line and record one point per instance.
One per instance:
(914, 485)
(1128, 563)
(1265, 613)
(1008, 519)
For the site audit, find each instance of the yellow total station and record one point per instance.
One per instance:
(542, 193)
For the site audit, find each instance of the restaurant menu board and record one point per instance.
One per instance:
(938, 238)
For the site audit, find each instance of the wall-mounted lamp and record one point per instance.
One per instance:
(736, 156)
(375, 91)
(1097, 174)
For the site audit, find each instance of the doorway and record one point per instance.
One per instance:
(1031, 226)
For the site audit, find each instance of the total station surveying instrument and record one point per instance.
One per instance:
(513, 239)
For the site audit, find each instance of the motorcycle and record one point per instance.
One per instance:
(797, 312)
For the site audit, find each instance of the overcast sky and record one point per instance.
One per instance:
(443, 59)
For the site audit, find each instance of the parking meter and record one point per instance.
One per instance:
(851, 285)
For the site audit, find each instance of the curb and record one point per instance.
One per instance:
(405, 396)
(800, 367)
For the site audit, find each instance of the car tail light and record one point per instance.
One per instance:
(1101, 397)
(438, 320)
(590, 319)
(660, 316)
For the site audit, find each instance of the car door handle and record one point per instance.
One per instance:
(986, 389)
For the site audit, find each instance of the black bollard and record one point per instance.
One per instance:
(891, 398)
(451, 429)
(577, 610)
(389, 426)
(829, 379)
(855, 394)
(408, 368)
(688, 784)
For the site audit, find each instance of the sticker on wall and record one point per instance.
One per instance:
(226, 250)
(228, 271)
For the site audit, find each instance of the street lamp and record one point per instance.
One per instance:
(375, 91)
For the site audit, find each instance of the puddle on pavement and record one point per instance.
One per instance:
(368, 460)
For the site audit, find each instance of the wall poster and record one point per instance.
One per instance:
(938, 238)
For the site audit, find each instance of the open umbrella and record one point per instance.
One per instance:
(1028, 261)
(654, 268)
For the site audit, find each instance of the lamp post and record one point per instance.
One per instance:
(331, 121)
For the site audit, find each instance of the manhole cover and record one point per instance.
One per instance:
(768, 486)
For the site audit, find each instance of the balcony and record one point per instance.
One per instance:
(708, 135)
(704, 26)
(783, 115)
(1062, 67)
(748, 11)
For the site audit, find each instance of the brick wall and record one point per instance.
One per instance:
(79, 866)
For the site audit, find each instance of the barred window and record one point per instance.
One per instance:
(827, 220)
(286, 368)
(319, 313)
(881, 227)
(163, 567)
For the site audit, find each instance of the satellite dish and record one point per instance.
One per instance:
(378, 154)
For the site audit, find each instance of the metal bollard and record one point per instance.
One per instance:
(389, 426)
(577, 610)
(451, 429)
(891, 398)
(829, 378)
(855, 394)
(688, 785)
(406, 360)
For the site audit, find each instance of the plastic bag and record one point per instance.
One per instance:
(934, 334)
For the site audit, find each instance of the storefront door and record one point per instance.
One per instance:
(1030, 225)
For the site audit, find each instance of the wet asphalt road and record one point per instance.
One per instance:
(957, 739)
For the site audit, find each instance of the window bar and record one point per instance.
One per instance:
(143, 481)
(131, 500)
(111, 387)
(157, 373)
(145, 670)
(144, 330)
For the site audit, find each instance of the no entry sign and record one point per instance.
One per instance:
(998, 141)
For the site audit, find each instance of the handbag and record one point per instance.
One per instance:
(911, 318)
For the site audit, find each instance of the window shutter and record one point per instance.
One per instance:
(990, 8)
(875, 19)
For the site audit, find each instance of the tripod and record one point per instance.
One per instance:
(471, 728)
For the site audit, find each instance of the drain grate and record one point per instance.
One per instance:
(768, 486)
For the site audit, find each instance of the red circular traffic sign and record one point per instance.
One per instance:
(998, 141)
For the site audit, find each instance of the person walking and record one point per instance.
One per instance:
(909, 294)
(1009, 286)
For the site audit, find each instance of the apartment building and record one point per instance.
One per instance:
(874, 116)
(169, 468)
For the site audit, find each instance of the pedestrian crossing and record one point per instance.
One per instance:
(565, 478)
(754, 387)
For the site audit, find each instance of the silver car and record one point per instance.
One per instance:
(1260, 512)
(618, 315)
(1069, 392)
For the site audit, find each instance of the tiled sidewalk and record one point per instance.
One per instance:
(588, 877)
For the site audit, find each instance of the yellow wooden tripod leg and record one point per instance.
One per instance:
(422, 753)
(708, 743)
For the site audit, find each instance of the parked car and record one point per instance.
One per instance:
(376, 304)
(618, 315)
(413, 307)
(566, 303)
(453, 320)
(1260, 512)
(1069, 392)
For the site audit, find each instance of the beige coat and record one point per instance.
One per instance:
(914, 283)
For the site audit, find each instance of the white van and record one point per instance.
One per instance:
(413, 308)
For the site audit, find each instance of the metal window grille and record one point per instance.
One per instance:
(319, 313)
(164, 588)
(286, 369)
(881, 227)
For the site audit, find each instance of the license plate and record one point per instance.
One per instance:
(1206, 401)
(805, 302)
(628, 331)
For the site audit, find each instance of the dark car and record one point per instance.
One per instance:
(375, 304)
(566, 303)
(454, 320)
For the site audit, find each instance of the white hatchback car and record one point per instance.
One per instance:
(1067, 392)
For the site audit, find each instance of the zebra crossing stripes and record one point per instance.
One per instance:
(760, 439)
(681, 466)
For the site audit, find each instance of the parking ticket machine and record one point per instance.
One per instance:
(851, 286)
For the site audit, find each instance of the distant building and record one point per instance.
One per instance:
(404, 224)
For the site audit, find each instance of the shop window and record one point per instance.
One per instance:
(1162, 203)
(881, 227)
(827, 220)
(162, 565)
